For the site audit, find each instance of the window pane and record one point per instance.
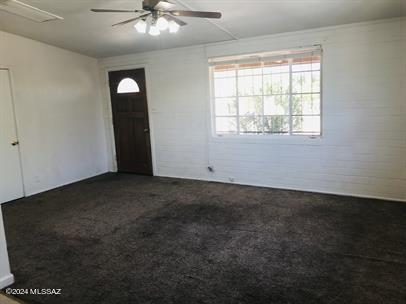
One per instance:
(226, 106)
(316, 82)
(276, 124)
(249, 85)
(250, 124)
(276, 105)
(225, 87)
(276, 67)
(306, 104)
(306, 64)
(306, 82)
(276, 84)
(250, 105)
(306, 124)
(226, 125)
(277, 96)
(316, 66)
(297, 79)
(128, 85)
(250, 72)
(301, 67)
(224, 74)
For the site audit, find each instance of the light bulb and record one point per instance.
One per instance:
(141, 26)
(162, 23)
(173, 27)
(153, 30)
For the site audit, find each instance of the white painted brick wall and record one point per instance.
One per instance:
(363, 147)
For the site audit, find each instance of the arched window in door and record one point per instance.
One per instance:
(128, 85)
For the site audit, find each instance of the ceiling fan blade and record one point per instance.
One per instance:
(163, 5)
(171, 18)
(102, 10)
(214, 15)
(132, 19)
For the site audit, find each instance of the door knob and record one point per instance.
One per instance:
(14, 143)
(146, 130)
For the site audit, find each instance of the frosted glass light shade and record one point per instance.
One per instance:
(141, 26)
(173, 27)
(128, 85)
(154, 31)
(162, 24)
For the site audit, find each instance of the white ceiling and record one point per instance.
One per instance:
(91, 34)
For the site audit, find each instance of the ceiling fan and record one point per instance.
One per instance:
(157, 14)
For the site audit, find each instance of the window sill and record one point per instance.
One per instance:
(313, 140)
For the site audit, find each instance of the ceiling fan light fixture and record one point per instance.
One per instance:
(164, 5)
(162, 23)
(154, 30)
(173, 27)
(156, 16)
(141, 26)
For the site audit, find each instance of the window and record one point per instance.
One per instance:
(264, 94)
(127, 85)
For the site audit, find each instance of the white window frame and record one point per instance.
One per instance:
(269, 55)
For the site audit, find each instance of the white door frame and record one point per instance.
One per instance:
(10, 75)
(109, 114)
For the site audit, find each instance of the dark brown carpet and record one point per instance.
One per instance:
(122, 238)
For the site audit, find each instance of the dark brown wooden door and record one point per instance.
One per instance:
(131, 125)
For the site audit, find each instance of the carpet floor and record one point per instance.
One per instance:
(121, 238)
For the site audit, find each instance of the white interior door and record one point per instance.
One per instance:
(11, 183)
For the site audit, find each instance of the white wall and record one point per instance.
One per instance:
(363, 147)
(59, 113)
(6, 278)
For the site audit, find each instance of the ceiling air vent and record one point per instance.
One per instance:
(27, 11)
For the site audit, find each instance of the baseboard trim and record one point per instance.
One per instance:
(6, 280)
(291, 188)
(73, 181)
(244, 184)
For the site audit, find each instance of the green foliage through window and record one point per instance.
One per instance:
(268, 97)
